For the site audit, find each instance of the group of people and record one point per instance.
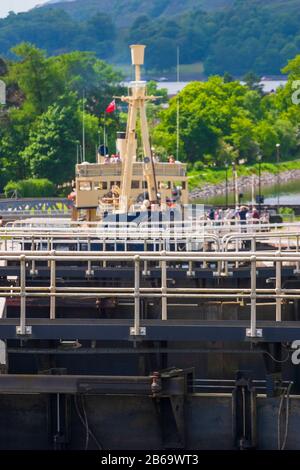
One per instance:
(242, 214)
(170, 159)
(114, 158)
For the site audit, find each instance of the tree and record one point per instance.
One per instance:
(44, 111)
(252, 81)
(207, 111)
(293, 67)
(51, 152)
(228, 78)
(35, 76)
(83, 72)
(267, 137)
(242, 137)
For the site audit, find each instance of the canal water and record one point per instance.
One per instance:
(289, 193)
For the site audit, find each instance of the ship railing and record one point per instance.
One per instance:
(64, 212)
(65, 224)
(276, 294)
(283, 238)
(17, 238)
(220, 228)
(76, 242)
(80, 241)
(217, 228)
(94, 169)
(288, 239)
(250, 225)
(279, 240)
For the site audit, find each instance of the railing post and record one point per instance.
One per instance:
(278, 289)
(89, 271)
(204, 263)
(104, 250)
(22, 329)
(190, 271)
(253, 332)
(164, 300)
(137, 330)
(145, 270)
(52, 286)
(33, 271)
(237, 241)
(297, 251)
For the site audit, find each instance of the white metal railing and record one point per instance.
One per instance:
(162, 261)
(290, 237)
(131, 234)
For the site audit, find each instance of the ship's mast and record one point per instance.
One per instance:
(137, 107)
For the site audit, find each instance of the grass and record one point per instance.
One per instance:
(198, 178)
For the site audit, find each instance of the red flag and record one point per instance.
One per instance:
(111, 107)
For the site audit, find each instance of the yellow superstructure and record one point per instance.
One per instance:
(122, 183)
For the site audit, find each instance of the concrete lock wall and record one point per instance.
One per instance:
(132, 423)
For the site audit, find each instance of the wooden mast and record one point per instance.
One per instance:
(137, 106)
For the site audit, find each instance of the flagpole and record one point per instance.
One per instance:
(178, 109)
(83, 127)
(104, 132)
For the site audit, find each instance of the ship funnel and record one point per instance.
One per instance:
(137, 54)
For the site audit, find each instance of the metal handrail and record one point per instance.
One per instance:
(137, 291)
(228, 238)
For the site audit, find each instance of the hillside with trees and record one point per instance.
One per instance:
(124, 12)
(235, 36)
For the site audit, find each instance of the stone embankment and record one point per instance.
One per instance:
(244, 183)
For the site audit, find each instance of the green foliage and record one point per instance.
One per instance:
(42, 124)
(54, 30)
(30, 188)
(253, 82)
(220, 120)
(35, 77)
(286, 211)
(200, 175)
(211, 114)
(223, 121)
(51, 150)
(236, 36)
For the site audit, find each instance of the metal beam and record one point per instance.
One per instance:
(72, 384)
(157, 330)
(170, 383)
(79, 272)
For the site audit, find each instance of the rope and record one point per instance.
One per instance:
(277, 360)
(286, 393)
(84, 422)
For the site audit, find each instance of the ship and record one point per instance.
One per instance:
(124, 183)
